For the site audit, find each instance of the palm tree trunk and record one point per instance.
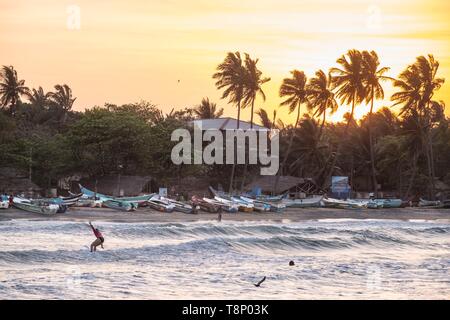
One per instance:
(286, 155)
(338, 150)
(372, 156)
(230, 189)
(413, 175)
(251, 128)
(322, 125)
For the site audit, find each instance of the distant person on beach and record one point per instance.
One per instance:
(11, 200)
(99, 241)
(219, 217)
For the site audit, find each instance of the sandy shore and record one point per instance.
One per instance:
(292, 214)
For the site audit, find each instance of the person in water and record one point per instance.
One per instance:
(99, 241)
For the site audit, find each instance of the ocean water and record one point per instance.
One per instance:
(334, 259)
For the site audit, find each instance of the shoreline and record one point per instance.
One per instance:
(291, 215)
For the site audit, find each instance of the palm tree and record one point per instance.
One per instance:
(373, 76)
(62, 99)
(417, 84)
(295, 91)
(253, 83)
(11, 88)
(39, 98)
(207, 110)
(231, 76)
(349, 82)
(321, 97)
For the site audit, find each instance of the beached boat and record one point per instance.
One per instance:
(71, 200)
(385, 203)
(428, 203)
(120, 205)
(342, 204)
(261, 197)
(4, 202)
(303, 203)
(180, 206)
(204, 205)
(161, 205)
(257, 204)
(35, 206)
(242, 206)
(446, 204)
(87, 202)
(227, 207)
(138, 200)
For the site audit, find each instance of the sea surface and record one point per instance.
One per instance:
(334, 259)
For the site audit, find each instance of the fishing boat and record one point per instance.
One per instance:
(180, 206)
(161, 205)
(430, 204)
(261, 197)
(204, 205)
(342, 204)
(35, 206)
(385, 203)
(257, 204)
(227, 207)
(138, 200)
(71, 200)
(446, 204)
(87, 202)
(242, 206)
(4, 202)
(120, 205)
(303, 203)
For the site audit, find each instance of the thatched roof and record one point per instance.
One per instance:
(285, 183)
(129, 185)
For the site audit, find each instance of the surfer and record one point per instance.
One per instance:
(99, 241)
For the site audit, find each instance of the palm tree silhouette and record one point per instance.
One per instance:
(231, 76)
(373, 75)
(295, 91)
(11, 89)
(62, 99)
(417, 84)
(320, 97)
(349, 83)
(39, 98)
(207, 110)
(253, 83)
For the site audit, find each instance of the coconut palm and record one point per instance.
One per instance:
(207, 110)
(321, 97)
(373, 76)
(231, 77)
(39, 98)
(295, 93)
(62, 99)
(348, 80)
(265, 120)
(417, 85)
(253, 83)
(11, 88)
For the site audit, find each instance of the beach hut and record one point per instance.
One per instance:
(119, 185)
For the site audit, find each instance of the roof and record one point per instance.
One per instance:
(224, 124)
(285, 183)
(109, 184)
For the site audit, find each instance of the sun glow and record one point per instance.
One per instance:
(127, 51)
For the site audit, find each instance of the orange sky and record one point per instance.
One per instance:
(125, 51)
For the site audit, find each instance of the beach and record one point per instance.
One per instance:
(290, 214)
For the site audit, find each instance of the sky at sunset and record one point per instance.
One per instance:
(127, 51)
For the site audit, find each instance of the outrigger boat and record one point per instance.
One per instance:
(35, 206)
(180, 206)
(303, 203)
(161, 205)
(138, 200)
(257, 205)
(204, 205)
(120, 205)
(4, 202)
(430, 204)
(384, 203)
(227, 207)
(342, 204)
(242, 206)
(262, 197)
